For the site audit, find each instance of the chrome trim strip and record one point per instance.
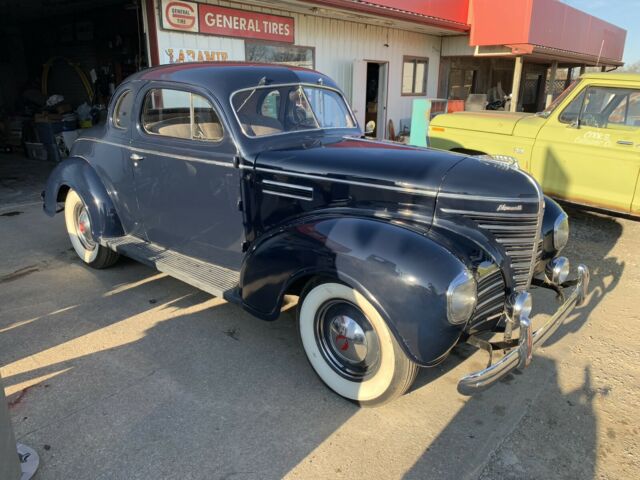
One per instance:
(538, 235)
(464, 196)
(490, 287)
(489, 300)
(531, 216)
(288, 195)
(427, 193)
(156, 152)
(287, 185)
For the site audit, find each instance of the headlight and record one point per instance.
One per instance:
(561, 232)
(462, 296)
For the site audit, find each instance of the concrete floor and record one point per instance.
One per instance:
(125, 373)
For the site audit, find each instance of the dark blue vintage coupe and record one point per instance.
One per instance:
(253, 182)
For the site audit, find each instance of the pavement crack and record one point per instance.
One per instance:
(21, 272)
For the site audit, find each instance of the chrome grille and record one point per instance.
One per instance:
(491, 297)
(517, 233)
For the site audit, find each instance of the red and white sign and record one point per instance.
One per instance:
(230, 22)
(179, 15)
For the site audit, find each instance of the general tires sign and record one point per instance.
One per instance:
(179, 15)
(226, 22)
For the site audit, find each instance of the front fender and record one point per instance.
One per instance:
(77, 174)
(403, 273)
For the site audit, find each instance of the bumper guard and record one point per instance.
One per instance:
(520, 356)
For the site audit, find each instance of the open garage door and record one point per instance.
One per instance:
(61, 62)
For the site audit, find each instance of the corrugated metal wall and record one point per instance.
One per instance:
(338, 44)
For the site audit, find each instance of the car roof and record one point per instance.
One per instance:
(224, 78)
(620, 76)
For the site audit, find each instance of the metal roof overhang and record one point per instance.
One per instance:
(453, 12)
(542, 54)
(546, 29)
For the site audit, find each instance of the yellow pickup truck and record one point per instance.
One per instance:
(584, 148)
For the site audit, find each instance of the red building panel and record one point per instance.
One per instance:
(449, 14)
(545, 23)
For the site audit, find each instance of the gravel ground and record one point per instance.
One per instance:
(126, 373)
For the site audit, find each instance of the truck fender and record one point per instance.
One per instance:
(403, 273)
(76, 173)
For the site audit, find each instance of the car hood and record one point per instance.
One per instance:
(503, 123)
(359, 161)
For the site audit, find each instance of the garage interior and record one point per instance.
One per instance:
(61, 62)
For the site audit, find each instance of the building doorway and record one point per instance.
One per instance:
(376, 100)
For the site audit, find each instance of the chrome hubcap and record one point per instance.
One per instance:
(83, 228)
(346, 339)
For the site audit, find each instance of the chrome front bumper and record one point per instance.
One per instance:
(520, 356)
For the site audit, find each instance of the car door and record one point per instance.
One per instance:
(109, 155)
(589, 151)
(187, 184)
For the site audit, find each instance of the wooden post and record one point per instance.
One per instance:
(515, 88)
(552, 83)
(569, 75)
(583, 68)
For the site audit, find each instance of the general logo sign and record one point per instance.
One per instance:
(230, 22)
(179, 15)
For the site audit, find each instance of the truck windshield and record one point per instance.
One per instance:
(278, 109)
(553, 105)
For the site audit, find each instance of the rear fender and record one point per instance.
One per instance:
(403, 273)
(77, 174)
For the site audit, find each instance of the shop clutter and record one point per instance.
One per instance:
(56, 127)
(63, 60)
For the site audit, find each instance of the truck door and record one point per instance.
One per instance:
(589, 152)
(186, 183)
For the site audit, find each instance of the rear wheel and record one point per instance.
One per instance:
(350, 346)
(78, 223)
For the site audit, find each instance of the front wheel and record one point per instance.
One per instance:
(350, 346)
(78, 221)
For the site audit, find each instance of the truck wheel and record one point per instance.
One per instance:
(76, 216)
(350, 346)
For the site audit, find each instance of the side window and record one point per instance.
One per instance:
(168, 113)
(179, 114)
(633, 112)
(571, 113)
(122, 112)
(271, 105)
(206, 124)
(627, 112)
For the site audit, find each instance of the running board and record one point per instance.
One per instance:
(208, 277)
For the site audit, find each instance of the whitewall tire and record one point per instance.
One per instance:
(350, 346)
(78, 223)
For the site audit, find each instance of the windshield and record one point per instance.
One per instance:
(273, 110)
(552, 106)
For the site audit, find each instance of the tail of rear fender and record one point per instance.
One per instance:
(404, 274)
(76, 173)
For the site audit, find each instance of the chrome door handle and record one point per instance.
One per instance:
(135, 157)
(624, 142)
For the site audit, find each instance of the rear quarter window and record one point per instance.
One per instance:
(122, 111)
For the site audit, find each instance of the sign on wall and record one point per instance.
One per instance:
(226, 22)
(179, 15)
(229, 22)
(181, 55)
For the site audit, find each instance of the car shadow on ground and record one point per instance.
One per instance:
(566, 420)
